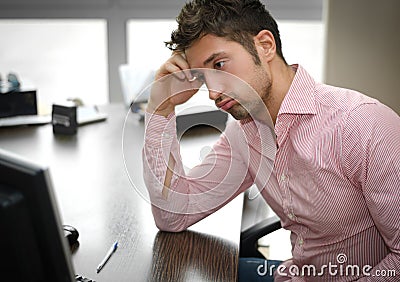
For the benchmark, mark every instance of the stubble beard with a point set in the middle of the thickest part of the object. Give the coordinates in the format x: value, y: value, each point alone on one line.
x: 255, y: 107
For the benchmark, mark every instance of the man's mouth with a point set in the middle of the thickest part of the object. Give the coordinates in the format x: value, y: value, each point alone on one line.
x: 226, y: 104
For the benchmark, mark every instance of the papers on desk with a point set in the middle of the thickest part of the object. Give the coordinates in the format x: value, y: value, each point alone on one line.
x: 25, y: 120
x: 85, y: 115
x: 89, y: 114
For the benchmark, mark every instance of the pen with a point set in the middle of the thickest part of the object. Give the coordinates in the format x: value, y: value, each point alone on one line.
x: 107, y: 257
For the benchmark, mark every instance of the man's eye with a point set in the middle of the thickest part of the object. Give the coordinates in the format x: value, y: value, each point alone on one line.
x: 219, y: 65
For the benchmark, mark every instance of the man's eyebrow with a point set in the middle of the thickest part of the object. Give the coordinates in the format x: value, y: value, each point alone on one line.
x: 211, y: 58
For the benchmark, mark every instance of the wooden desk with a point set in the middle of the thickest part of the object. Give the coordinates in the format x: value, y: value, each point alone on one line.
x: 95, y: 195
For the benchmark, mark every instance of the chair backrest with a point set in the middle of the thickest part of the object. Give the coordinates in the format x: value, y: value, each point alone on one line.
x: 134, y: 79
x: 250, y: 236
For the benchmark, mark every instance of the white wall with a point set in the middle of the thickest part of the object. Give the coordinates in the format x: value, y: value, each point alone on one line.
x: 363, y: 47
x: 302, y: 41
x: 60, y: 58
x: 117, y: 13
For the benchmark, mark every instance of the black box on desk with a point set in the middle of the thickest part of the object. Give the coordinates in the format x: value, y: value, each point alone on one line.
x: 17, y: 103
x: 64, y: 119
x: 216, y: 119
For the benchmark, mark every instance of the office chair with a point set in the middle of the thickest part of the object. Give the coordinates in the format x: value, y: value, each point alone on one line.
x: 249, y: 237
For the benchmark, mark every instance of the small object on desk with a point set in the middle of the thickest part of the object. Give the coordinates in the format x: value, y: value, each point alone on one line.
x: 107, y: 257
x: 89, y: 114
x: 64, y: 118
x: 80, y: 278
x: 11, y: 85
x: 13, y: 80
x: 17, y: 103
x: 71, y: 234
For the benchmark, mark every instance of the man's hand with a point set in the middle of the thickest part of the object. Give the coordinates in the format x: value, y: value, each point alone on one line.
x: 173, y: 85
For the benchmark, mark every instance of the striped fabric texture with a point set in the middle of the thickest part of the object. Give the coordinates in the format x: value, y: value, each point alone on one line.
x: 330, y: 169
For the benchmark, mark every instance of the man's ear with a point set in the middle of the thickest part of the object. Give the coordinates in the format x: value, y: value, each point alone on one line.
x: 265, y: 44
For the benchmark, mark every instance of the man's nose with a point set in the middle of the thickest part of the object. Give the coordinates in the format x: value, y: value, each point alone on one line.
x: 214, y: 83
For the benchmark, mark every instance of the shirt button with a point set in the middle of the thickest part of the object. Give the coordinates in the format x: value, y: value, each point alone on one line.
x: 301, y: 242
x: 291, y: 216
x: 283, y: 177
x: 166, y: 135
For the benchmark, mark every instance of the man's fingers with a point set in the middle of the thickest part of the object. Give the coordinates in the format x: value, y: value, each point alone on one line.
x: 177, y: 66
x: 179, y: 60
x: 172, y: 68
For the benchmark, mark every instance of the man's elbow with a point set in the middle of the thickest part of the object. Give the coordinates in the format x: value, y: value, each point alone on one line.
x: 169, y: 222
x: 169, y: 227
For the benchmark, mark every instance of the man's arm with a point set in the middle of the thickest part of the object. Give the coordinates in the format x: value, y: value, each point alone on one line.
x: 172, y: 86
x: 190, y: 196
x: 179, y: 199
x: 374, y: 163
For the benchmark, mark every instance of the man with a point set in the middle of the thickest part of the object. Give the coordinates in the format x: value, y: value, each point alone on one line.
x: 326, y: 159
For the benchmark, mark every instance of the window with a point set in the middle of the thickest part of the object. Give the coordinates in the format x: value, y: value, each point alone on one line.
x: 60, y: 58
x: 302, y: 42
x: 146, y: 39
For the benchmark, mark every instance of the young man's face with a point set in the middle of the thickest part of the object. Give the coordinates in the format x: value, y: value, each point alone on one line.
x: 232, y: 93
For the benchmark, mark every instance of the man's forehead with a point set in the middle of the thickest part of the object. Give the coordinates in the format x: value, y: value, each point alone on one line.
x: 204, y: 50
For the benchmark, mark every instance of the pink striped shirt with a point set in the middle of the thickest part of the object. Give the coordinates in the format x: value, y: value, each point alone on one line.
x: 335, y: 180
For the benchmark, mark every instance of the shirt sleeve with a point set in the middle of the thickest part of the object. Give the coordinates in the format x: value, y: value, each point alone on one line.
x: 371, y: 150
x: 194, y: 194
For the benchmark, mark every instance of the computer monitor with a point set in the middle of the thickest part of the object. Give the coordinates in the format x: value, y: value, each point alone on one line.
x: 32, y: 244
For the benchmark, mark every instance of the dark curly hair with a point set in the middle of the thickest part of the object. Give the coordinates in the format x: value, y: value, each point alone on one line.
x: 236, y: 20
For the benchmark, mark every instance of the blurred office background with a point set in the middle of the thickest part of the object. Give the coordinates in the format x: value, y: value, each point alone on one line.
x: 74, y: 48
x: 70, y: 48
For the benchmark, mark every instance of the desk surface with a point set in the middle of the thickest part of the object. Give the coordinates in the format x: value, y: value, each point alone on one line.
x: 95, y: 195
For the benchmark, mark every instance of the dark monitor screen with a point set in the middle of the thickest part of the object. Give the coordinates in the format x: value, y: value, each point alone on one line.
x: 32, y: 244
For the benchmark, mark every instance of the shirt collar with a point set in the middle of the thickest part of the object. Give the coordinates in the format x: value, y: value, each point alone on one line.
x: 300, y: 98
